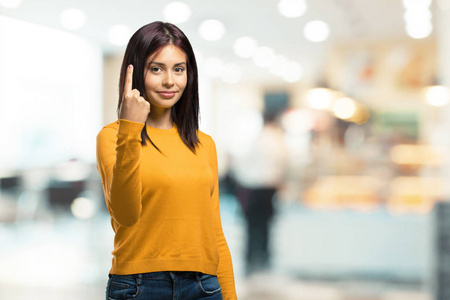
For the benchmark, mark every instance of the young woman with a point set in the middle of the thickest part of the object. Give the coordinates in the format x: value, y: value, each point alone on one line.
x: 160, y: 178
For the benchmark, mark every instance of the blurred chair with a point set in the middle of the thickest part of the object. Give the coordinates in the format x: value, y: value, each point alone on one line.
x: 9, y: 184
x: 62, y: 193
x: 9, y: 193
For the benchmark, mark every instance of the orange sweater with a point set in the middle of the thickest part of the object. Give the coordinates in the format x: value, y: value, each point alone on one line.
x: 164, y: 207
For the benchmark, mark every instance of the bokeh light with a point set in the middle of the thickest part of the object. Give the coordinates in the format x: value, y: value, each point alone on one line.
x: 437, y: 96
x: 245, y: 47
x: 73, y: 18
x: 344, y: 108
x: 319, y: 98
x: 292, y: 8
x: 177, y: 12
x: 83, y: 208
x: 316, y: 31
x: 212, y: 30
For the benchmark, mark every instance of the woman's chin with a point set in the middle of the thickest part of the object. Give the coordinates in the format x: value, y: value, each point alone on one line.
x: 163, y: 104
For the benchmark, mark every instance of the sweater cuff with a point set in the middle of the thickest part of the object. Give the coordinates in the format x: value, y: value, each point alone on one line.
x: 130, y: 127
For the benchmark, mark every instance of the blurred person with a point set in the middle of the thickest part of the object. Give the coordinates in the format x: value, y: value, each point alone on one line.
x: 259, y: 174
x: 160, y: 178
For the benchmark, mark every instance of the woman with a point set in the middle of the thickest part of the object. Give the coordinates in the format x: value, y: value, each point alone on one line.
x: 160, y: 178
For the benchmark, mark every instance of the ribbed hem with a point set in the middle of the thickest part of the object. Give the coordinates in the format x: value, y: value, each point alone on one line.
x: 158, y: 265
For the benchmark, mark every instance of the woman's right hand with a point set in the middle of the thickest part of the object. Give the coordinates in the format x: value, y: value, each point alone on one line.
x: 133, y: 107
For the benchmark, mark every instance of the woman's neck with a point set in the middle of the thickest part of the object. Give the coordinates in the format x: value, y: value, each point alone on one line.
x: 159, y: 118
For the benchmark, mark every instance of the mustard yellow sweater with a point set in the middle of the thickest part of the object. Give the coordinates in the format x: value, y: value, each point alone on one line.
x: 164, y: 207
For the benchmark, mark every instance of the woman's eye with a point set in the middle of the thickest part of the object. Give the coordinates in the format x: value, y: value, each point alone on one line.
x: 155, y: 69
x: 179, y: 69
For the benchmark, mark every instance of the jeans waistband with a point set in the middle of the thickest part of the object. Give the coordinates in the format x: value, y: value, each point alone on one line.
x: 161, y: 274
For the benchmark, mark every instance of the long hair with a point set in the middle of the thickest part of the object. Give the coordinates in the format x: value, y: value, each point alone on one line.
x: 148, y: 40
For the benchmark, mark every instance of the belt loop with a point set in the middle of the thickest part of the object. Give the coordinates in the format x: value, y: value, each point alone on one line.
x: 139, y: 279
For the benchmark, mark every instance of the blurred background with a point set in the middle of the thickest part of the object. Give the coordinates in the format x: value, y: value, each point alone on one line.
x: 331, y: 120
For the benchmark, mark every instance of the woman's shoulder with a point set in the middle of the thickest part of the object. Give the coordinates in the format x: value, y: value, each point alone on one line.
x: 109, y: 130
x: 206, y: 141
x: 204, y: 137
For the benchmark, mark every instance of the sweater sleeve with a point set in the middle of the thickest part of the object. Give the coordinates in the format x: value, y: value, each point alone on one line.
x: 225, y: 268
x: 118, y: 162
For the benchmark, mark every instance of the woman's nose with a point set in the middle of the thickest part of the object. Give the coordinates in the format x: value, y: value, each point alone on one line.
x: 168, y: 80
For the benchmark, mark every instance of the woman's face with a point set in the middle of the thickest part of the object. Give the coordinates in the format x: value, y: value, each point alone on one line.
x: 165, y: 76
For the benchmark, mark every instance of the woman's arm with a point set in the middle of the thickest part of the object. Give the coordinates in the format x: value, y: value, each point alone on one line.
x: 225, y: 272
x: 118, y: 161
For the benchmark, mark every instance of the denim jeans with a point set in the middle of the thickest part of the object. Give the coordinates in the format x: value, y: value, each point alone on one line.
x: 163, y: 286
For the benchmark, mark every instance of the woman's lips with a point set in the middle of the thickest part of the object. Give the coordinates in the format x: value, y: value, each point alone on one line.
x: 166, y: 94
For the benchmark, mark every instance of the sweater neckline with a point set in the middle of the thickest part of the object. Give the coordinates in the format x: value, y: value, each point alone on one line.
x: 155, y: 130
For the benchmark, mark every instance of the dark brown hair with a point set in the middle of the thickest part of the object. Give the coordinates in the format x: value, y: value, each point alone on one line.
x: 148, y: 40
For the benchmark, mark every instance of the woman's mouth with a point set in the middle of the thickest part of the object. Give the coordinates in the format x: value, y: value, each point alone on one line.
x: 167, y: 94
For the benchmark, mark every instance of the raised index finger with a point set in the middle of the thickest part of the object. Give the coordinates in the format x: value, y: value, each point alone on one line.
x: 129, y: 79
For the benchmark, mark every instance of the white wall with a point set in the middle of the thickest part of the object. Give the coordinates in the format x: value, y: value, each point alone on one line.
x: 51, y: 92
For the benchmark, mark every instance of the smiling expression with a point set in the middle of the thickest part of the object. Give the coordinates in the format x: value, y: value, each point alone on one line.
x: 165, y: 76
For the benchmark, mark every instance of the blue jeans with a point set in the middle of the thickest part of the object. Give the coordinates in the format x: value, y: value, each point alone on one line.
x: 163, y: 286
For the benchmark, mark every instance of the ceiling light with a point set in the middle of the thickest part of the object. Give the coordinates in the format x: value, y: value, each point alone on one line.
x: 319, y: 98
x: 73, y: 18
x: 292, y: 8
x: 10, y: 3
x: 211, y: 30
x: 119, y: 35
x: 264, y: 57
x: 245, y: 46
x: 419, y: 30
x: 316, y: 31
x: 177, y: 12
